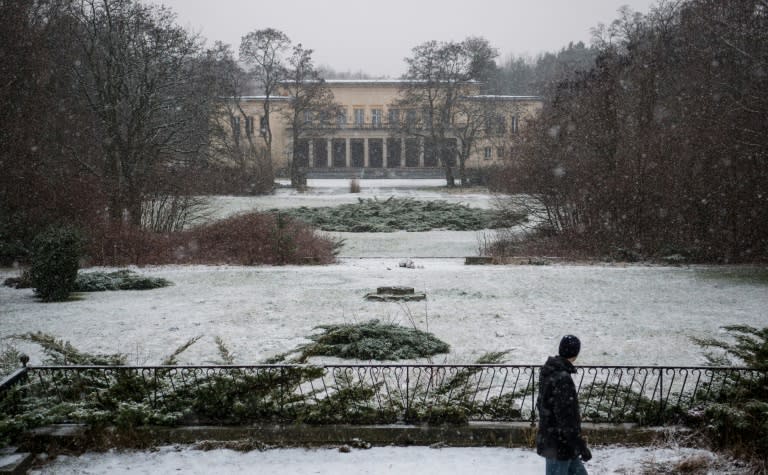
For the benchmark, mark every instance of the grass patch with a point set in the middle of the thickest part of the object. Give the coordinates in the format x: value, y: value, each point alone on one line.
x: 402, y: 214
x: 119, y: 280
x: 371, y: 340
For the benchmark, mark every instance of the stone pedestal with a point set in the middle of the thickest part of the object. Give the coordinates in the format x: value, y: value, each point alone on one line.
x: 394, y: 294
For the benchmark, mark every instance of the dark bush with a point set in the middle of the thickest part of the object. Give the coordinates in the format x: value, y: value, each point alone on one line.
x: 245, y: 239
x: 55, y: 260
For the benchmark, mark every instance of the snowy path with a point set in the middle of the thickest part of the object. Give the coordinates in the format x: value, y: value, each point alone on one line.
x: 376, y: 461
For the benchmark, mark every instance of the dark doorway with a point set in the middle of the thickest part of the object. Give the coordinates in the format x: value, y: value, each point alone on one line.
x: 301, y: 153
x: 320, y: 153
x: 357, y: 153
x: 394, y: 152
x: 339, y: 153
x: 411, y: 152
x: 375, y: 153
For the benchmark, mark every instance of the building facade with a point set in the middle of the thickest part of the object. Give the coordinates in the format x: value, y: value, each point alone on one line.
x: 368, y: 130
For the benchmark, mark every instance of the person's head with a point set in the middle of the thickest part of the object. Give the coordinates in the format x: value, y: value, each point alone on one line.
x: 569, y: 347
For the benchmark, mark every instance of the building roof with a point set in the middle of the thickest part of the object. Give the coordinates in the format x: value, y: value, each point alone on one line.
x: 262, y: 98
x: 498, y: 97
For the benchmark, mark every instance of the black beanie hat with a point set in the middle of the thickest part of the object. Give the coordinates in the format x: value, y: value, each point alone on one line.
x: 569, y: 346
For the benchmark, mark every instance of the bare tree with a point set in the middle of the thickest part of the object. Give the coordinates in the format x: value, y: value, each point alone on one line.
x: 40, y: 119
x: 440, y: 75
x: 483, y: 120
x: 264, y: 52
x: 310, y: 100
x: 143, y: 83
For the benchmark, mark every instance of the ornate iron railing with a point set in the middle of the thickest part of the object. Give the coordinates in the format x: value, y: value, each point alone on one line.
x: 374, y: 393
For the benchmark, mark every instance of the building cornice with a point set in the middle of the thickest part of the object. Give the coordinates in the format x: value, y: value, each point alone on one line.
x: 504, y: 98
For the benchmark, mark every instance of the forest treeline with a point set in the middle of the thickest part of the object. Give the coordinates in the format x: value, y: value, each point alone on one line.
x: 661, y: 148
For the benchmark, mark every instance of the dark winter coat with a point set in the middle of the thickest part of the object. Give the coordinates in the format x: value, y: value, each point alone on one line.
x: 559, y: 434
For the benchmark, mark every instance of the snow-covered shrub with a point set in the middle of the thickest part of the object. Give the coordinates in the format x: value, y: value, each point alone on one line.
x: 9, y: 359
x: 119, y: 280
x: 737, y: 417
x: 55, y: 260
x: 393, y: 214
x: 371, y: 340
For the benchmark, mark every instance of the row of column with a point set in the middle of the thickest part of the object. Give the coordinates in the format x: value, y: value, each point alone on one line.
x: 315, y: 160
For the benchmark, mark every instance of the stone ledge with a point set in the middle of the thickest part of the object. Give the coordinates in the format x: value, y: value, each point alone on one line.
x: 77, y: 438
x: 15, y: 463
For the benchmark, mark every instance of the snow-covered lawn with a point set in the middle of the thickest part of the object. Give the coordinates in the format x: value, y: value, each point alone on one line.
x: 625, y: 315
x: 375, y: 461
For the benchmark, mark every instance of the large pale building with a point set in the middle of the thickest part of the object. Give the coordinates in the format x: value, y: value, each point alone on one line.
x: 366, y: 131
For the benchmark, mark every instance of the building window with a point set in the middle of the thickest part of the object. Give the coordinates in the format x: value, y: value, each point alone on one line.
x: 307, y: 117
x: 263, y: 125
x: 236, y: 126
x: 487, y: 153
x: 249, y: 126
x: 487, y: 124
x: 359, y: 117
x: 427, y: 118
x: 341, y: 117
x: 394, y: 117
x: 376, y: 117
x: 500, y: 152
x: 410, y: 118
x: 514, y: 125
x: 501, y: 124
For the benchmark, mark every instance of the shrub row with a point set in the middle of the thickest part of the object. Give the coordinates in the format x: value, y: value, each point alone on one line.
x: 393, y: 214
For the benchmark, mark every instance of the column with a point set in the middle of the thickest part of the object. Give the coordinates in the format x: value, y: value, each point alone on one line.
x: 421, y: 153
x: 347, y: 152
x: 329, y: 157
x: 310, y: 153
x: 384, y: 152
x: 402, y: 152
x: 366, y: 160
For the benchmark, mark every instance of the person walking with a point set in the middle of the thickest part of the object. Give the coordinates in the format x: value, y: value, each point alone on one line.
x: 559, y: 438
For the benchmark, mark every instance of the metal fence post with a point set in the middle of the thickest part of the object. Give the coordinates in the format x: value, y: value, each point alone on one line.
x: 407, y: 390
x: 533, y: 396
x: 661, y: 396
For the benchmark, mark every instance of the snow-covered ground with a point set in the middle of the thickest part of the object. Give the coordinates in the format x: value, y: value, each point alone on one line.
x: 625, y: 315
x: 375, y: 461
x: 631, y: 315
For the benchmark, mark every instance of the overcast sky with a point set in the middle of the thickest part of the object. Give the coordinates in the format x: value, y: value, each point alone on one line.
x: 375, y: 36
